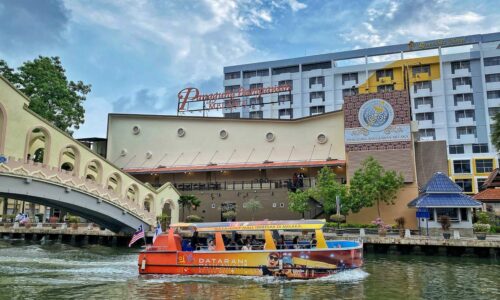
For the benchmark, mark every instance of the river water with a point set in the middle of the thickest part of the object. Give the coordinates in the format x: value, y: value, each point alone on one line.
x: 59, y: 271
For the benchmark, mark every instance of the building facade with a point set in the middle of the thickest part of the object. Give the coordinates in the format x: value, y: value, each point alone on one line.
x: 454, y: 92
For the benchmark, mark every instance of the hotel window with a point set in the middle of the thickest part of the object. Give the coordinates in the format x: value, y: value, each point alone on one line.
x: 350, y: 92
x: 492, y: 61
x: 461, y: 166
x: 466, y: 130
x: 480, y: 182
x: 316, y: 110
x: 451, y: 212
x: 484, y: 165
x: 461, y: 81
x: 232, y: 88
x: 285, y: 112
x: 256, y: 86
x: 230, y: 103
x: 423, y: 101
x: 385, y: 88
x: 461, y: 114
x: 385, y: 73
x: 317, y: 80
x: 256, y: 114
x: 256, y: 101
x: 456, y: 149
x: 349, y: 77
x: 286, y: 82
x: 232, y: 75
x: 317, y: 66
x: 233, y: 115
x: 421, y: 69
x: 462, y: 98
x: 465, y: 184
x: 492, y: 111
x: 317, y: 95
x: 285, y: 98
x: 493, y: 77
x: 291, y: 69
x: 457, y: 65
x: 249, y: 74
x: 427, y: 134
x: 480, y: 148
x: 493, y: 94
x: 263, y: 72
x: 425, y: 116
x: 422, y: 85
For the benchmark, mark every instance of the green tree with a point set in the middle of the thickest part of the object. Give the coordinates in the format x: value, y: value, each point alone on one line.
x: 253, y: 205
x: 51, y: 95
x: 189, y: 201
x: 299, y: 201
x: 495, y: 133
x: 372, y: 184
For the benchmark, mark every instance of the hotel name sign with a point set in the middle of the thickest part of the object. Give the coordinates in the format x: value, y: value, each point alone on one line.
x: 190, y: 99
x: 375, y: 117
x: 436, y: 44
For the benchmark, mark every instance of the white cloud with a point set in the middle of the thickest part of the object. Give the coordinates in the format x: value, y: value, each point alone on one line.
x: 296, y: 5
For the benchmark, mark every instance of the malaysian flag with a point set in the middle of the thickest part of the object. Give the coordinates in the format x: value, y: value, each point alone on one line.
x: 139, y: 234
x: 158, y: 231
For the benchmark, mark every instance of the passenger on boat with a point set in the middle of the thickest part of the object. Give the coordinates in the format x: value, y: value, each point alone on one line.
x: 313, y: 241
x: 232, y: 246
x: 211, y: 245
x: 281, y: 242
x: 247, y: 247
x: 195, y: 241
x: 295, y: 242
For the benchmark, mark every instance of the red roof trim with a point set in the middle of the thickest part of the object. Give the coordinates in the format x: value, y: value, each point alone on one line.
x: 488, y: 195
x: 242, y: 166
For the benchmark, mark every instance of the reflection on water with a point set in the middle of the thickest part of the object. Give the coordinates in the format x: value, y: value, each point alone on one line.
x: 59, y: 271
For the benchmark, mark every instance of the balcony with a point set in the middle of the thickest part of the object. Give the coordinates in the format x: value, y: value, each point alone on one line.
x: 492, y: 69
x: 282, y: 76
x: 317, y: 101
x: 423, y: 108
x: 313, y: 73
x: 464, y: 104
x: 426, y: 138
x: 425, y: 124
x: 421, y: 77
x: 464, y: 88
x: 285, y: 117
x: 467, y: 139
x: 495, y: 102
x: 466, y: 122
x: 349, y: 84
x: 461, y: 72
x: 422, y: 92
x: 316, y: 87
x: 236, y: 81
x: 255, y: 79
x: 492, y: 86
x: 385, y: 80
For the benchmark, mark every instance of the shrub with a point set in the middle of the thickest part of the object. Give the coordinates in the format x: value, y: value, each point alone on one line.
x: 445, y: 222
x: 194, y: 218
x: 400, y: 222
x: 73, y: 219
x: 229, y: 215
x: 337, y: 218
x: 479, y: 227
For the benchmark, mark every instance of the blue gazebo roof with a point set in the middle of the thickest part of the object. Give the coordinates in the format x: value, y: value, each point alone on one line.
x: 441, y: 191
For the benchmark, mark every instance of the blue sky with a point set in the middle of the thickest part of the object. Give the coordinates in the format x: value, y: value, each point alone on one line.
x: 138, y: 54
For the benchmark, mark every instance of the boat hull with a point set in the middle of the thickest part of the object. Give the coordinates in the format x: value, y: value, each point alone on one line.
x: 289, y: 263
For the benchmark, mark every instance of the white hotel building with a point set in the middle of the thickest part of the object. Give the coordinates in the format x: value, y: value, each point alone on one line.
x: 454, y: 86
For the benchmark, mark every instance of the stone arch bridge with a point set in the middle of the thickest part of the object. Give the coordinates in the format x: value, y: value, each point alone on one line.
x: 45, y: 165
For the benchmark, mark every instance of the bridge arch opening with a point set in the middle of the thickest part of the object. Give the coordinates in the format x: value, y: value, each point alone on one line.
x: 93, y: 171
x: 3, y: 127
x: 114, y: 183
x: 37, y: 146
x: 133, y: 193
x: 69, y: 159
x: 148, y: 202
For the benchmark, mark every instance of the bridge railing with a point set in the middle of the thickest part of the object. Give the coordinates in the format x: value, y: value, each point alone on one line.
x: 55, y: 175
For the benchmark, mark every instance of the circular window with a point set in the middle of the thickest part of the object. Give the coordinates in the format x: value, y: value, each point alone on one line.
x: 123, y: 152
x: 149, y: 154
x: 322, y: 138
x: 136, y: 129
x: 181, y: 132
x: 270, y: 136
x: 223, y: 134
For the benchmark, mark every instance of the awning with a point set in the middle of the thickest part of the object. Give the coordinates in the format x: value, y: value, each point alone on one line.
x: 238, y: 166
x: 444, y: 200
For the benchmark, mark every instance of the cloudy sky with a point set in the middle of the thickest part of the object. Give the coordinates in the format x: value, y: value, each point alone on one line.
x: 138, y: 54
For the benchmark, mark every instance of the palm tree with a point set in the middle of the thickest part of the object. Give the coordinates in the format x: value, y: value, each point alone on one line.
x: 495, y: 132
x: 189, y: 201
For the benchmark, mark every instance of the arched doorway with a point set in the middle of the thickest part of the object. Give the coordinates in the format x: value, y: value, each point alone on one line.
x: 69, y: 159
x: 37, y: 146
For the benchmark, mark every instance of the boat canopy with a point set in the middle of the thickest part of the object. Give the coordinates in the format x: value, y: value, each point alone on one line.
x: 254, y: 225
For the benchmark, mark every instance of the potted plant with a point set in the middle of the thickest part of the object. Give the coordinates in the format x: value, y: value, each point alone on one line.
x: 481, y: 230
x: 53, y: 221
x: 338, y: 219
x: 382, y: 227
x: 229, y: 215
x: 400, y: 223
x: 194, y: 219
x: 445, y: 225
x: 73, y: 220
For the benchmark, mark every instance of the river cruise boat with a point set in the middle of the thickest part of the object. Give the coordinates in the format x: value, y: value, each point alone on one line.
x: 304, y: 260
